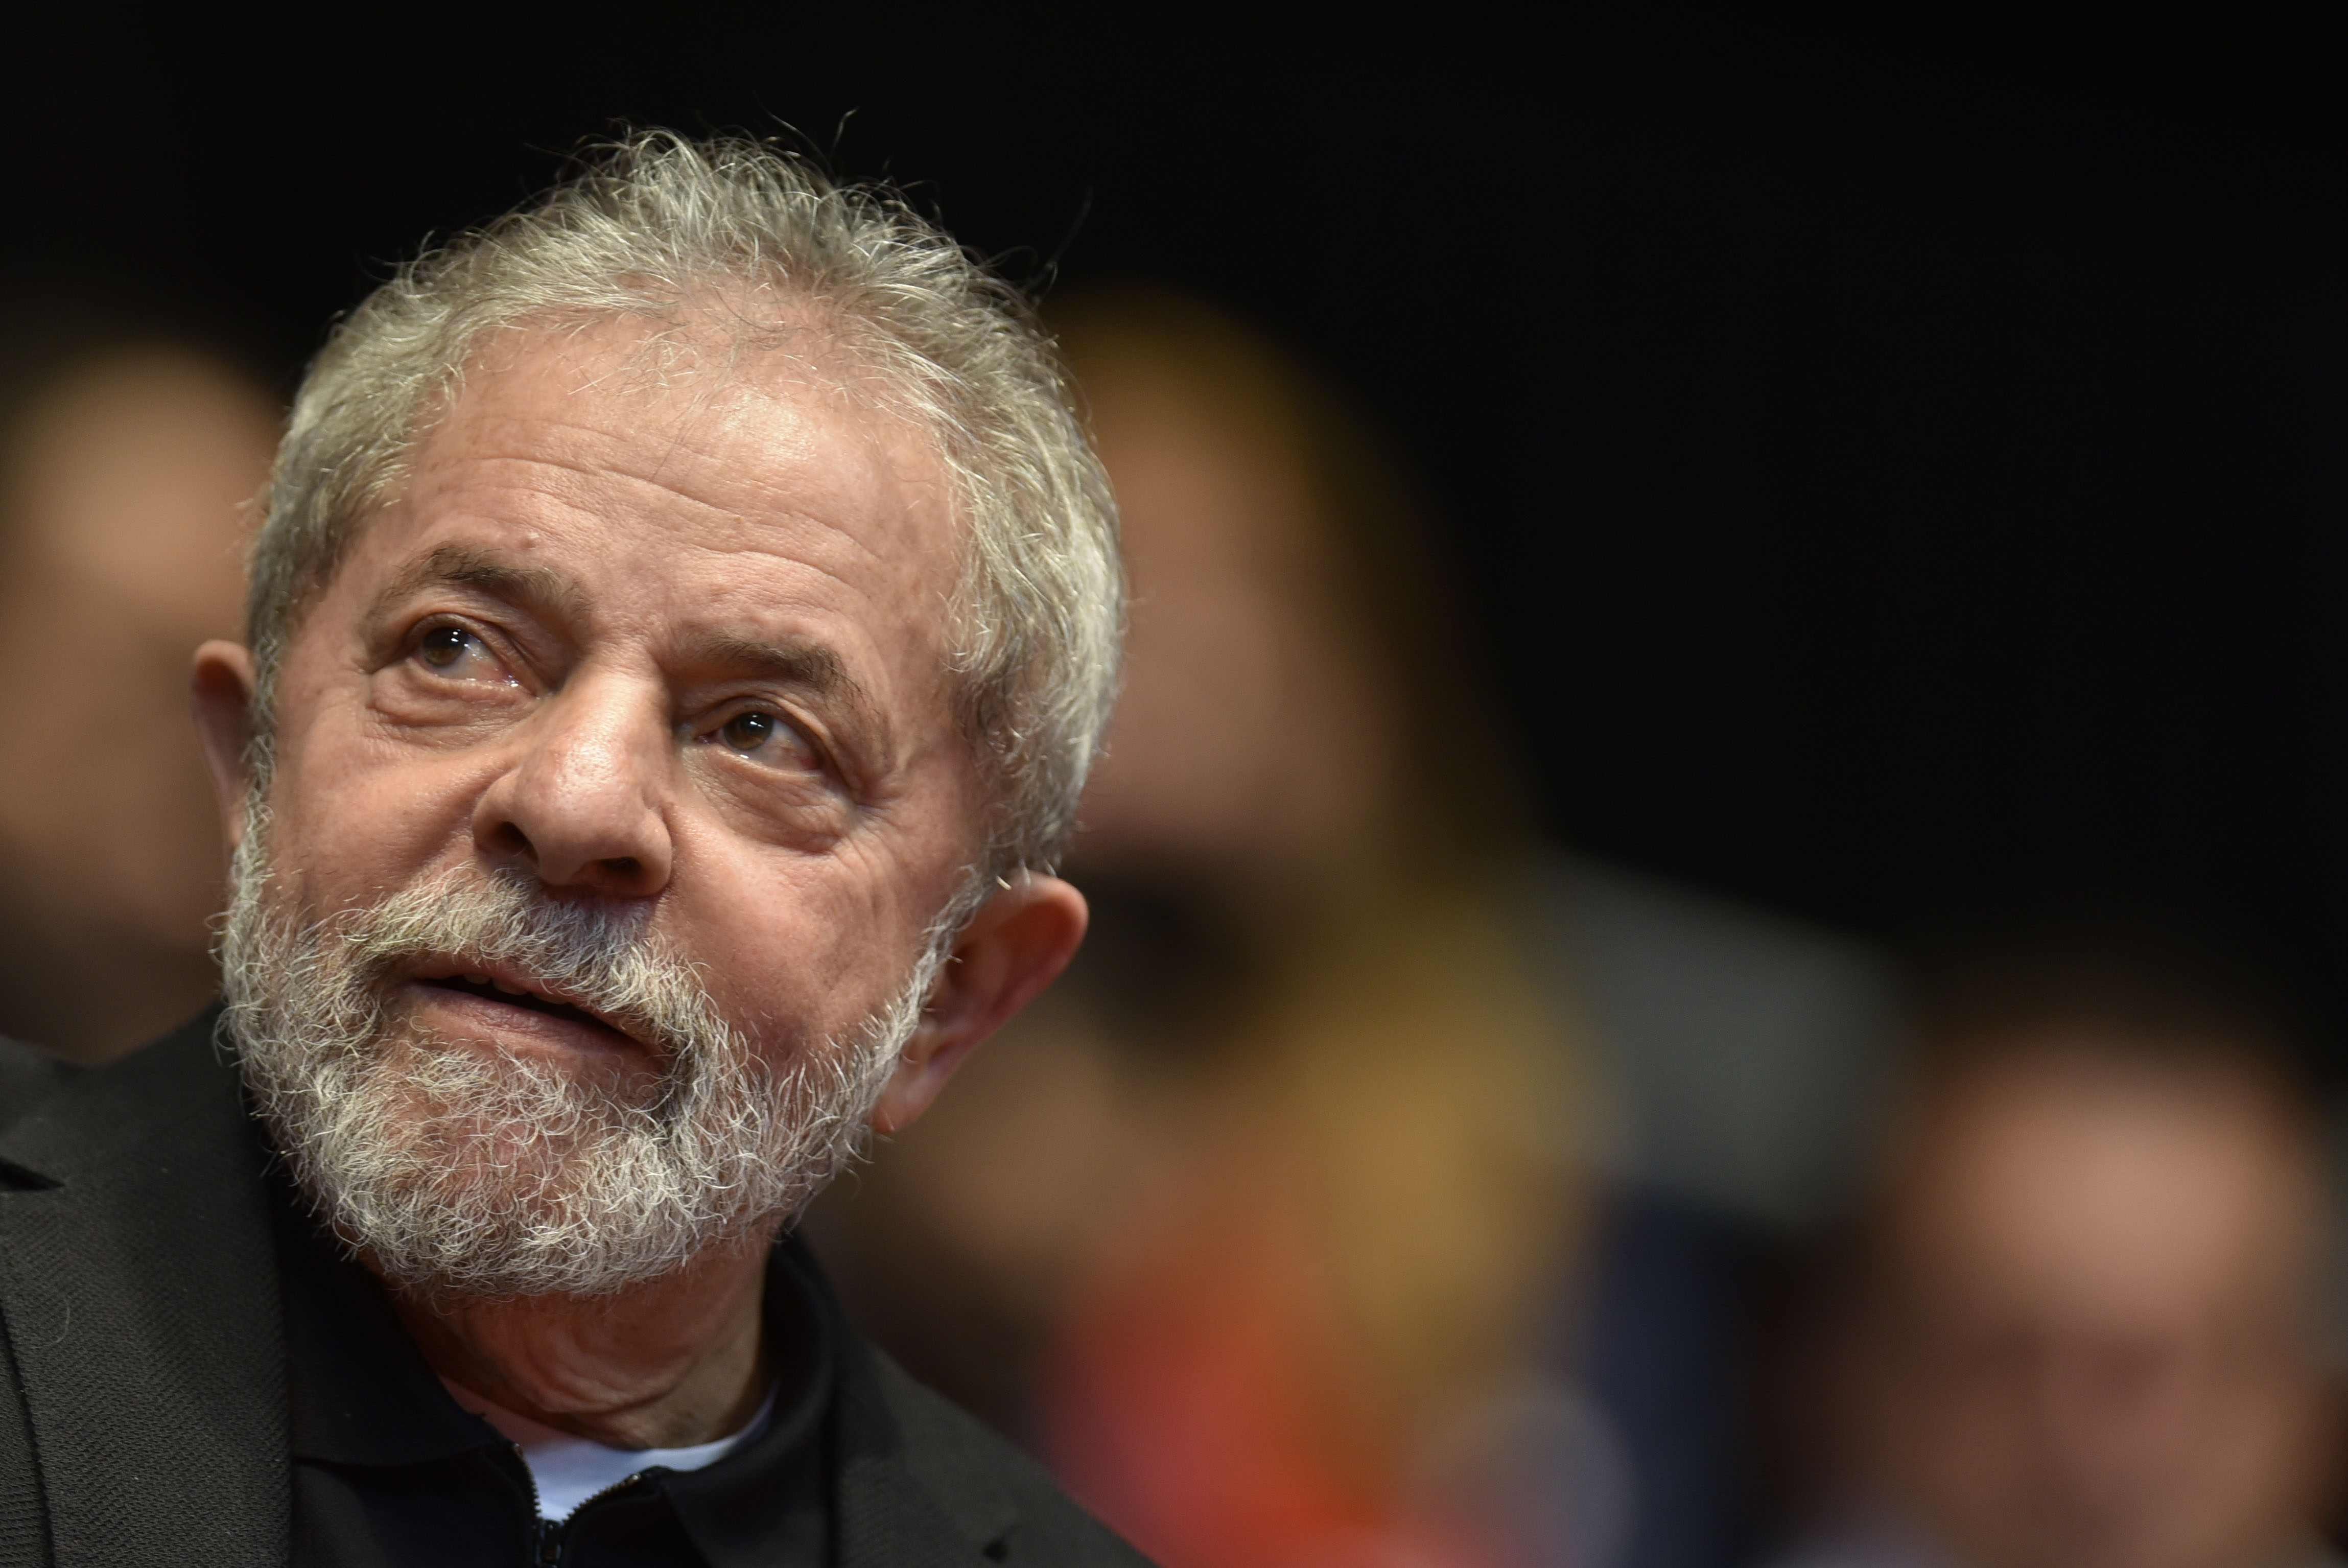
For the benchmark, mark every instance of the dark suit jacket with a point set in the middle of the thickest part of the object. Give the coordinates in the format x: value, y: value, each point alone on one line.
x: 142, y: 1391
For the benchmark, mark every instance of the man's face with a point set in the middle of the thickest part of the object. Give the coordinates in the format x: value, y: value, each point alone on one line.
x: 2102, y: 1353
x: 672, y: 652
x: 124, y: 490
x: 616, y: 790
x: 1253, y: 729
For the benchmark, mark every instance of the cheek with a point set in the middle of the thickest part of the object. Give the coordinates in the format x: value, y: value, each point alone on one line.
x: 354, y: 817
x: 811, y: 945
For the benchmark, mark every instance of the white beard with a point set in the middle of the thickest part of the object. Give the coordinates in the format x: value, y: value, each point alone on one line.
x: 464, y: 1174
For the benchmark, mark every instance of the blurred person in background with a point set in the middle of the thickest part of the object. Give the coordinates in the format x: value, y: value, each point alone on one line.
x: 2087, y: 1324
x: 1263, y: 1225
x: 127, y: 459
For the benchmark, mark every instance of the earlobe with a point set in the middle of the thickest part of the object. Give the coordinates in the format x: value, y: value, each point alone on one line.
x: 1013, y: 948
x: 220, y: 689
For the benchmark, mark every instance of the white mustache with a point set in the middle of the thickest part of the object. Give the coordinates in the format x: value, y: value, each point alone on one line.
x: 605, y: 961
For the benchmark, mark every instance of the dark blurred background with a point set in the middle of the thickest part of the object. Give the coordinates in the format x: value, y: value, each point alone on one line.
x: 1894, y: 475
x: 1893, y: 467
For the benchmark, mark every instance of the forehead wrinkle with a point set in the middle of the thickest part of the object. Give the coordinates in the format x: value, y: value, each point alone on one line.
x: 765, y: 500
x: 778, y: 497
x: 602, y: 467
x: 802, y: 563
x: 715, y: 411
x: 889, y: 444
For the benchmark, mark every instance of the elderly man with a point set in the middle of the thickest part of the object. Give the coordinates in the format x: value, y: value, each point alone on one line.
x: 686, y: 614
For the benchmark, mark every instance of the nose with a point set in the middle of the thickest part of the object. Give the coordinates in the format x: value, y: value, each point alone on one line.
x: 582, y: 803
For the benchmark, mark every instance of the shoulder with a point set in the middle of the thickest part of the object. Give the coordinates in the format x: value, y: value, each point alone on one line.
x: 29, y: 1075
x: 972, y: 1471
x: 166, y: 1100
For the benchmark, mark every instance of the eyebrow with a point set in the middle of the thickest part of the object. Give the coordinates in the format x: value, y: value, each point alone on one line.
x: 534, y: 587
x: 812, y: 666
x: 809, y: 665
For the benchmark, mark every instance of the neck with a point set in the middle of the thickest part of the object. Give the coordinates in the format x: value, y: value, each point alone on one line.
x: 679, y: 1361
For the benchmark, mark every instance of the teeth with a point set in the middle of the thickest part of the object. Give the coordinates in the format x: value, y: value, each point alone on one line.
x: 477, y: 979
x: 509, y: 990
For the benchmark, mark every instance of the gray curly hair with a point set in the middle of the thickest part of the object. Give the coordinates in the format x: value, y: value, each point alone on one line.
x: 751, y: 238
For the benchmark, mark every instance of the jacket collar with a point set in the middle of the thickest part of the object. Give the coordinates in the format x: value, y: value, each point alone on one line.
x: 140, y: 1302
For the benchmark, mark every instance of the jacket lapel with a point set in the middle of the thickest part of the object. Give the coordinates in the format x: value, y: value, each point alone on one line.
x: 912, y: 1487
x: 142, y: 1305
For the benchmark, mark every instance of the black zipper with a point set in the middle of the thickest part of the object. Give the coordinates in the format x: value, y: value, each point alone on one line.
x: 545, y: 1534
x: 547, y: 1543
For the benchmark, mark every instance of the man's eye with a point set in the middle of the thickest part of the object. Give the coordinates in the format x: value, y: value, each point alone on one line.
x: 766, y: 737
x: 443, y: 647
x: 748, y: 731
x: 448, y: 649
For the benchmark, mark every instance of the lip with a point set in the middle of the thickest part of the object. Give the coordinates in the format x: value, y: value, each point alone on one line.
x: 522, y: 1010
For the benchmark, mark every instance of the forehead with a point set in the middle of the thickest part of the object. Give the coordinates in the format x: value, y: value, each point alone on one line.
x: 686, y: 476
x: 2095, y: 1185
x: 726, y: 437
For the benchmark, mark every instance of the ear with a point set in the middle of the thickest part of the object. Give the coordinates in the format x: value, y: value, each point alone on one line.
x: 1013, y: 947
x: 221, y: 687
